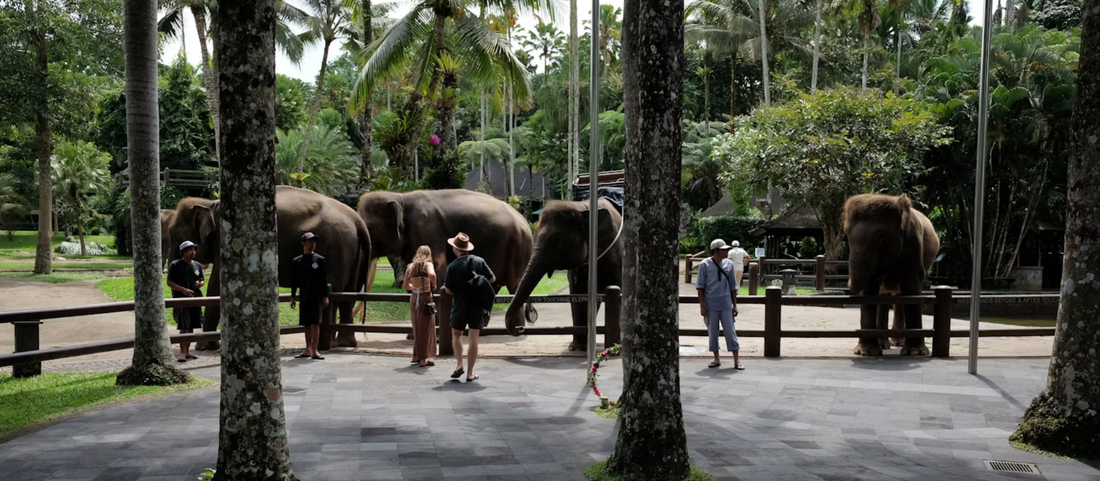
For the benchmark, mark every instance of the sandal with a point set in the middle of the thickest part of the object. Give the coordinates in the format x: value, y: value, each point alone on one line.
x: 181, y: 359
x: 301, y: 356
x: 740, y: 367
x: 472, y: 379
x: 458, y: 373
x: 427, y: 364
x: 318, y: 357
x: 192, y: 356
x: 714, y: 364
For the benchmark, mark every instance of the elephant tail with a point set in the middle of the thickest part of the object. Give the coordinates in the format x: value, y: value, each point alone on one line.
x: 365, y: 263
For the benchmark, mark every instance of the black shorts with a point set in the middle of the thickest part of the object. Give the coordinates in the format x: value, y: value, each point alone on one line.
x: 473, y: 320
x: 188, y: 318
x: 309, y: 314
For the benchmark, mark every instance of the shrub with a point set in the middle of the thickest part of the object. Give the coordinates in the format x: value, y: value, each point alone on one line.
x: 729, y: 228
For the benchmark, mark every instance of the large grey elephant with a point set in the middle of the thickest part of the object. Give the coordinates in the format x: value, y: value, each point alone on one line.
x: 401, y: 223
x: 892, y: 247
x: 561, y: 243
x: 167, y: 216
x: 345, y: 242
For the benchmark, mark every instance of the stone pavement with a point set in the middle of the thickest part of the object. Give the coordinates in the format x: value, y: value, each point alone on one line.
x: 360, y: 417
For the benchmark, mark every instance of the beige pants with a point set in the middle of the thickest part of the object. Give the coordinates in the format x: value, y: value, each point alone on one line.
x: 737, y: 275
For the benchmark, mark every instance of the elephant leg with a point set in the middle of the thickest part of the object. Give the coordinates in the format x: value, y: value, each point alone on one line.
x: 899, y: 323
x: 868, y: 319
x: 882, y: 321
x: 213, y: 314
x: 578, y: 285
x: 914, y: 346
x: 346, y: 338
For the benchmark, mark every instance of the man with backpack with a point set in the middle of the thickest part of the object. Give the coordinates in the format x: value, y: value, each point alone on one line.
x: 718, y: 299
x: 469, y: 280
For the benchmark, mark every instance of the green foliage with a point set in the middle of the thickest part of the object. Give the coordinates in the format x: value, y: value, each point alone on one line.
x: 446, y: 174
x: 699, y: 176
x: 332, y: 119
x: 80, y: 174
x: 13, y: 207
x: 808, y: 248
x: 28, y: 401
x: 1058, y: 14
x: 600, y: 472
x: 72, y: 247
x: 186, y: 135
x: 290, y: 102
x: 729, y: 228
x: 331, y: 162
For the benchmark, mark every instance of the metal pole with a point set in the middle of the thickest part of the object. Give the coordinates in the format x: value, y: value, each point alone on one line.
x: 593, y: 175
x: 979, y: 191
x: 764, y: 56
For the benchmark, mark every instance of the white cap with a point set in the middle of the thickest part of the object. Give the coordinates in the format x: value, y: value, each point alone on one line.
x: 719, y: 245
x: 186, y: 245
x: 736, y: 244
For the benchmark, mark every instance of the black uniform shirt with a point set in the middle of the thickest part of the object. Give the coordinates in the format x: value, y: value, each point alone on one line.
x: 311, y: 276
x: 186, y: 275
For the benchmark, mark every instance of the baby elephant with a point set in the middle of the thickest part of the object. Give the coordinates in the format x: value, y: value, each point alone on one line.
x: 892, y: 247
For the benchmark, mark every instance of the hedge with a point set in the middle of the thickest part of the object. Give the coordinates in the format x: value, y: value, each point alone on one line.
x: 729, y: 228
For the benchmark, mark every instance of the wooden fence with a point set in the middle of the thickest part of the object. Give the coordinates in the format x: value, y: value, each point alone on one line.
x: 765, y: 269
x: 28, y: 357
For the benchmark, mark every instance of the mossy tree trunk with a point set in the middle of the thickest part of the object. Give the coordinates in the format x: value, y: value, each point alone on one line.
x: 1065, y: 418
x: 652, y: 443
x: 252, y: 444
x: 43, y: 139
x: 366, y: 119
x: 152, y: 362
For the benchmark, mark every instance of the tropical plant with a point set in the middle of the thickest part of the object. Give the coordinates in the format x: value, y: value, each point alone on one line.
x: 13, y: 207
x: 546, y: 41
x: 331, y: 163
x: 822, y: 148
x: 329, y: 22
x: 79, y: 172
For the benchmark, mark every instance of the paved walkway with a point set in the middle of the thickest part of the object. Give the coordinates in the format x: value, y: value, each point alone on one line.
x: 359, y: 417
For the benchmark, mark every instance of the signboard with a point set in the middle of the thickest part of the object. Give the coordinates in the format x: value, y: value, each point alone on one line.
x: 759, y: 252
x: 546, y: 299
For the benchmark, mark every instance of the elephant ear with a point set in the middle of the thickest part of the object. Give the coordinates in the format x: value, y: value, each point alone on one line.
x: 203, y: 216
x: 905, y: 206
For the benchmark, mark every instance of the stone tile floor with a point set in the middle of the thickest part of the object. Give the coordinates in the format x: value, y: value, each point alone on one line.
x: 359, y: 417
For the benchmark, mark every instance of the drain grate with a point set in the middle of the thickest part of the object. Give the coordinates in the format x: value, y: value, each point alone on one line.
x: 1011, y: 467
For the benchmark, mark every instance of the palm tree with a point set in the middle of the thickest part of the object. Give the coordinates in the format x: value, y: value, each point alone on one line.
x: 610, y: 35
x: 574, y: 94
x: 331, y: 162
x: 171, y: 24
x: 152, y: 361
x: 330, y: 22
x: 419, y: 40
x: 705, y: 71
x: 79, y: 171
x: 818, y: 5
x: 12, y: 205
x: 546, y: 40
x: 723, y: 25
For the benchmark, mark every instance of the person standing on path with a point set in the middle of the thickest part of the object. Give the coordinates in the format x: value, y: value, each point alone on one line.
x: 310, y: 273
x: 740, y: 260
x: 718, y: 300
x: 186, y: 280
x: 464, y: 314
x: 420, y: 283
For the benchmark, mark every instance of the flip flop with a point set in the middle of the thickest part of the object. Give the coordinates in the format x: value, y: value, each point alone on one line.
x: 301, y: 356
x: 428, y: 364
x: 740, y: 367
x: 458, y: 373
x: 714, y: 364
x: 472, y: 379
x: 318, y: 357
x: 192, y: 356
x: 181, y: 359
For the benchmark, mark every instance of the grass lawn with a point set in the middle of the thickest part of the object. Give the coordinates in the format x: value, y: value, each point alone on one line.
x: 106, y: 266
x: 55, y: 278
x: 27, y: 241
x: 27, y: 401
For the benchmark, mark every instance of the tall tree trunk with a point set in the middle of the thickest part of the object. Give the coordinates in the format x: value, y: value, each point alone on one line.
x: 43, y: 262
x: 252, y: 444
x: 574, y: 99
x: 366, y: 119
x: 899, y: 59
x: 733, y: 90
x: 208, y: 76
x: 481, y: 135
x: 405, y: 152
x: 652, y: 443
x: 817, y: 44
x: 764, y: 53
x: 866, y: 53
x: 510, y: 121
x: 152, y: 361
x: 316, y: 107
x: 1064, y: 418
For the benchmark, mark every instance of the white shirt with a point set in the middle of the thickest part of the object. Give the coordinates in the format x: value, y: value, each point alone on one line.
x: 737, y: 255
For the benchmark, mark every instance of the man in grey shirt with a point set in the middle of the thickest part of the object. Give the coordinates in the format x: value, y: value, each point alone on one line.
x: 718, y: 299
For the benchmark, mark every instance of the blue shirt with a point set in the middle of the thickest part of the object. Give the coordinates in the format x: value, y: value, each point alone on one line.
x: 716, y: 287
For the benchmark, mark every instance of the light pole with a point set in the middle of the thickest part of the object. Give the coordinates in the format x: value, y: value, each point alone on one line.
x: 979, y: 191
x: 593, y: 175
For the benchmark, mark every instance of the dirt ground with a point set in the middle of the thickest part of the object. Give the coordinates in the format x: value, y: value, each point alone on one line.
x: 18, y: 294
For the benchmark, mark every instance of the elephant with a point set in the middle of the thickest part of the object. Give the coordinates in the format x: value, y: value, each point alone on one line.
x: 345, y: 242
x: 401, y: 223
x: 167, y: 216
x: 561, y: 243
x: 892, y: 247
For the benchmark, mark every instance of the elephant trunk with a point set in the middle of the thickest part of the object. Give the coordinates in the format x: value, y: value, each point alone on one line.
x: 514, y: 319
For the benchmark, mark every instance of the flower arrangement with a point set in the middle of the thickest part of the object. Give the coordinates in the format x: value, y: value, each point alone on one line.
x: 594, y: 369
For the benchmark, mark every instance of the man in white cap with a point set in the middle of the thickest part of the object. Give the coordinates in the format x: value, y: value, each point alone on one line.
x: 186, y: 280
x: 740, y: 260
x: 718, y: 300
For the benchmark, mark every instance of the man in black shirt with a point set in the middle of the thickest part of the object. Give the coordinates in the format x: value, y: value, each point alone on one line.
x: 464, y: 314
x: 310, y: 274
x: 185, y: 279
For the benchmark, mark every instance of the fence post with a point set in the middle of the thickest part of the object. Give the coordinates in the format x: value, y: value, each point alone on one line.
x: 327, y: 333
x: 26, y: 339
x: 763, y: 266
x: 443, y: 319
x: 612, y: 316
x: 773, y: 309
x: 941, y: 322
x: 754, y: 277
x: 819, y: 273
x: 687, y: 270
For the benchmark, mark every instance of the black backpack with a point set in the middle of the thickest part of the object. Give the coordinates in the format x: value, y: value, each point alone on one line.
x: 481, y: 291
